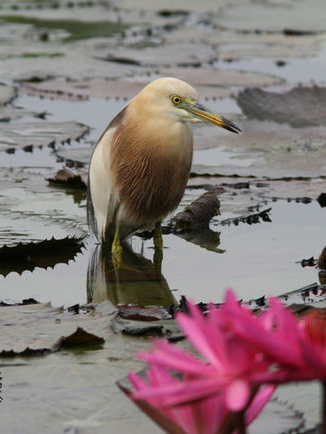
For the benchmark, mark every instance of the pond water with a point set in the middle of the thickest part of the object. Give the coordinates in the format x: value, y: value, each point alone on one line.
x: 255, y: 260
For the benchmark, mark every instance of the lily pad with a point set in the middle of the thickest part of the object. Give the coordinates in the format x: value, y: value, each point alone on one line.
x: 26, y: 135
x: 269, y: 149
x: 11, y: 112
x: 186, y: 53
x: 297, y: 17
x: 7, y: 94
x: 39, y: 329
x: 299, y: 300
x: 127, y: 88
x: 29, y: 212
x: 44, y: 254
x: 220, y: 78
x: 70, y: 178
x: 234, y: 45
x: 145, y: 328
x: 250, y: 218
x: 199, y: 213
x: 298, y: 107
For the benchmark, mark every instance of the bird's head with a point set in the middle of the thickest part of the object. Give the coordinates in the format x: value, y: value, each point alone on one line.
x: 178, y: 100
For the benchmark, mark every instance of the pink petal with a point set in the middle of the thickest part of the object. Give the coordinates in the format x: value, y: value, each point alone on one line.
x: 200, y: 334
x: 184, y: 392
x: 237, y: 395
x: 176, y: 359
x: 137, y: 382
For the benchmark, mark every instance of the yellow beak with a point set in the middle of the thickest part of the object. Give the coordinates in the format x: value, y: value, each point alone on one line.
x: 205, y: 114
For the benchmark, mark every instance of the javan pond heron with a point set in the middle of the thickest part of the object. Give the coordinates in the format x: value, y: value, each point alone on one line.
x: 141, y: 164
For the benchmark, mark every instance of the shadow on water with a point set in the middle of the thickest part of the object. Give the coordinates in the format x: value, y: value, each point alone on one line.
x: 137, y: 281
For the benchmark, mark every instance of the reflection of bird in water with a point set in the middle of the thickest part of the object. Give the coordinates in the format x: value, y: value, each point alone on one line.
x: 140, y: 166
x: 137, y: 281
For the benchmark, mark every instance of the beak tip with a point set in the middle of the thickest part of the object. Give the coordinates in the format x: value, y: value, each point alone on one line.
x: 228, y: 125
x: 232, y: 127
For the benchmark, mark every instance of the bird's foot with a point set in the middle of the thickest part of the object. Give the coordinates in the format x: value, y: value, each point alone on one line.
x: 116, y: 250
x: 117, y: 259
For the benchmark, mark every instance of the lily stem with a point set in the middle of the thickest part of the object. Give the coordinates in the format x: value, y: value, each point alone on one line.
x: 241, y: 422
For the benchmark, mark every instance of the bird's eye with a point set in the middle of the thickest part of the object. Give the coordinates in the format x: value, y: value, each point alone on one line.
x: 176, y: 100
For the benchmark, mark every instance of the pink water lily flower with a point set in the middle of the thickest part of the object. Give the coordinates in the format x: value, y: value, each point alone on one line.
x: 204, y: 416
x: 228, y: 366
x: 296, y: 347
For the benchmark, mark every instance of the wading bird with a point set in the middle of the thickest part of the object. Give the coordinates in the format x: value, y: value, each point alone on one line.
x: 140, y: 166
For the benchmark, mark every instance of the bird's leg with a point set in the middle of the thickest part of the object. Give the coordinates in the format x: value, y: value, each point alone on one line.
x: 116, y: 248
x: 158, y: 252
x: 158, y: 240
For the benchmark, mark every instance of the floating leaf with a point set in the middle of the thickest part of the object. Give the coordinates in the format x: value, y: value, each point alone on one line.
x: 41, y: 254
x: 286, y: 107
x: 321, y: 263
x: 138, y: 313
x: 75, y: 156
x: 69, y: 178
x: 27, y: 135
x: 310, y: 262
x: 249, y: 219
x: 208, y: 81
x: 7, y: 94
x: 80, y: 338
x: 199, y: 213
x: 322, y: 199
x: 23, y: 303
x: 166, y: 327
x: 304, y: 297
x: 38, y: 329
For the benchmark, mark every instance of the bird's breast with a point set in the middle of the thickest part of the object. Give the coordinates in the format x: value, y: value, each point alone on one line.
x: 151, y: 170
